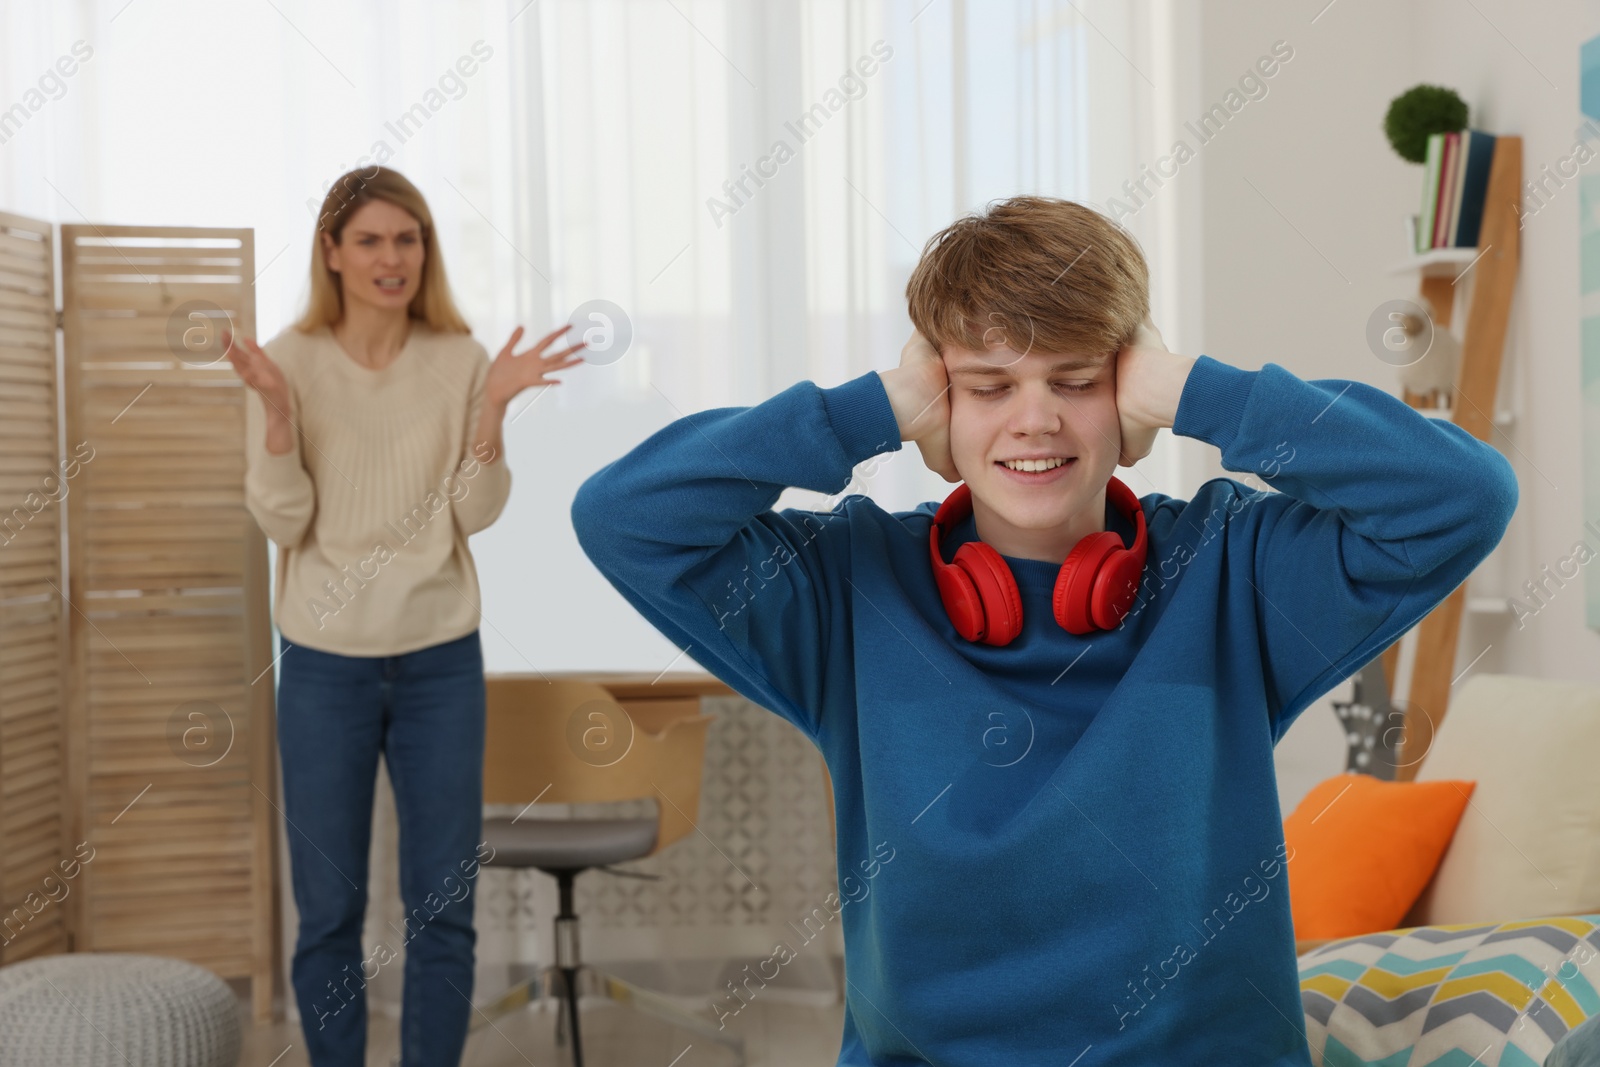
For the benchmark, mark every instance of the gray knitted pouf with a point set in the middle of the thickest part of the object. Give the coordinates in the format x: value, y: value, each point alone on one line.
x: 116, y: 1009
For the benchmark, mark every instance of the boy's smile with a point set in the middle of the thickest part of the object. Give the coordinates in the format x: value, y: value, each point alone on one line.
x: 1036, y: 437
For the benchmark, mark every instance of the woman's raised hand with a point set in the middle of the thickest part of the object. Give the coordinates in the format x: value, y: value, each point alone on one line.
x: 512, y: 372
x: 259, y: 373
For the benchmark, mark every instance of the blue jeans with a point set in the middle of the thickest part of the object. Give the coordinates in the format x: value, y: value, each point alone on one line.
x: 1579, y: 1048
x: 424, y: 711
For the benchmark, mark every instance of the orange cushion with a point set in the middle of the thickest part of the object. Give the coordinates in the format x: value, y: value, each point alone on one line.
x: 1361, y: 850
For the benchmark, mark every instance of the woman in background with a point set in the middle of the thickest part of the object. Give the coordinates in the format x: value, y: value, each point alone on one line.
x: 373, y: 446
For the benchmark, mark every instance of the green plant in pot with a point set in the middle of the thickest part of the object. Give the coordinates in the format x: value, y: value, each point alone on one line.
x: 1419, y: 112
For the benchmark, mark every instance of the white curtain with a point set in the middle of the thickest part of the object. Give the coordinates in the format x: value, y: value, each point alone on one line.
x: 626, y: 151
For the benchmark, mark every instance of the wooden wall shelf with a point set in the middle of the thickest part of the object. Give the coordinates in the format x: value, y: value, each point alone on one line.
x: 1493, y: 266
x: 1438, y: 262
x: 1502, y: 419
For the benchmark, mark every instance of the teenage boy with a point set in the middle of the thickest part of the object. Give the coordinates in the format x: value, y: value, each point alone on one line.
x: 1054, y: 701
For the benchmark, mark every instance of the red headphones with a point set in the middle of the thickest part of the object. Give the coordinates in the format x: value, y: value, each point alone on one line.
x: 1094, y: 590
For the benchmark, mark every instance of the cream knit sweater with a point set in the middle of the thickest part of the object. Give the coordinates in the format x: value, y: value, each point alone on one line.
x: 372, y: 506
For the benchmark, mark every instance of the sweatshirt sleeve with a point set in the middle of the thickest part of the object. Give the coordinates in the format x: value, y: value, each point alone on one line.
x: 278, y: 490
x: 682, y: 527
x: 489, y: 488
x: 1381, y: 512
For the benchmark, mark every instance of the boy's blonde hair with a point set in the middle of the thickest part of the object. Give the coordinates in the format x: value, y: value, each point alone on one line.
x: 1035, y: 273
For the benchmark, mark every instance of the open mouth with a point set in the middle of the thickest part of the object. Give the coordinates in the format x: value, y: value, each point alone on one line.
x: 390, y: 285
x: 1037, y: 471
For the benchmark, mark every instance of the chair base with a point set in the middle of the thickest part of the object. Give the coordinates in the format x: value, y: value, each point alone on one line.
x: 550, y: 983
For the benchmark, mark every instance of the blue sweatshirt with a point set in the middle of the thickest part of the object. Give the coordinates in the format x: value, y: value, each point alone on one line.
x: 1073, y: 844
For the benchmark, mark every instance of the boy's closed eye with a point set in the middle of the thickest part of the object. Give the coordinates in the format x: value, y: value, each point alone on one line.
x: 1067, y: 386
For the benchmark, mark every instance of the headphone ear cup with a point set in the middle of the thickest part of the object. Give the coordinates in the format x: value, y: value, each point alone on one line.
x: 996, y: 588
x: 1073, y: 598
x: 1115, y: 586
x: 961, y: 600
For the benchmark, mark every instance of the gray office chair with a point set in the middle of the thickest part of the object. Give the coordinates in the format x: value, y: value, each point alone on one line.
x: 569, y: 742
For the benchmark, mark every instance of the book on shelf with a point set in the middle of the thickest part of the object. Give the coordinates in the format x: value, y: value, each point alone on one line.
x: 1475, y: 186
x: 1447, y: 184
x: 1430, y: 191
x: 1455, y: 182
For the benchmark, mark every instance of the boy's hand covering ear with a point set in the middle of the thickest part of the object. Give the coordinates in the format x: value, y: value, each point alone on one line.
x: 919, y: 392
x: 1137, y: 362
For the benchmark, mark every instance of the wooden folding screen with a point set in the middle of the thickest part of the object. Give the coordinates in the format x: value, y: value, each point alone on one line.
x: 35, y: 860
x: 170, y: 705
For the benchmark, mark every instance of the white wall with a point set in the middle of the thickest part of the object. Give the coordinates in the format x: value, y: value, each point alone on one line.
x: 1315, y: 149
x: 1509, y: 88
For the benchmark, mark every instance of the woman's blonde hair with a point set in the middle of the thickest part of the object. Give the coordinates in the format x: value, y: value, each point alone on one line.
x: 432, y: 305
x: 1034, y: 272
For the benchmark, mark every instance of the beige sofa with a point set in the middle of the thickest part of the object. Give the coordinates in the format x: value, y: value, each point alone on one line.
x: 1500, y: 956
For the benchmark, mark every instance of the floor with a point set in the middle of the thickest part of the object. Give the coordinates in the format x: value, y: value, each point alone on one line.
x: 776, y: 1035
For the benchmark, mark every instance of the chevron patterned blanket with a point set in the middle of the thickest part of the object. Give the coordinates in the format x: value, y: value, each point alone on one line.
x: 1486, y: 994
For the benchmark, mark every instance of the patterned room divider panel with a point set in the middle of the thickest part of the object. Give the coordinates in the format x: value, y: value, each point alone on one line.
x: 37, y: 871
x: 170, y: 702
